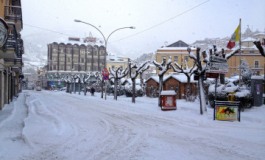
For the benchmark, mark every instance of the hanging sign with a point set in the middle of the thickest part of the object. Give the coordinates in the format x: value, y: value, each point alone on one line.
x: 217, y: 65
x: 3, y: 32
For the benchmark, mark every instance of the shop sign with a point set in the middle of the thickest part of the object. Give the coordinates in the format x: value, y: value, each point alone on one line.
x: 227, y: 111
x: 3, y: 32
x: 217, y: 65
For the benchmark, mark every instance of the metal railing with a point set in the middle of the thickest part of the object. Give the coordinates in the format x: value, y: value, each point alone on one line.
x: 13, y: 13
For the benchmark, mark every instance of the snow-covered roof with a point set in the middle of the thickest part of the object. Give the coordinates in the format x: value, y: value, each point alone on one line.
x: 176, y: 48
x: 260, y: 33
x: 80, y: 42
x: 249, y: 39
x: 181, y: 78
x: 249, y: 48
x: 114, y: 58
x: 155, y: 78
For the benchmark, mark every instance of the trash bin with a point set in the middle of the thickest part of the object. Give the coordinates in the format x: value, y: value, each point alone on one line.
x: 257, y: 90
x: 168, y: 100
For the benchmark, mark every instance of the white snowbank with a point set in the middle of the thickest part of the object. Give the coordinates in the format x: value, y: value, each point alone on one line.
x: 51, y: 125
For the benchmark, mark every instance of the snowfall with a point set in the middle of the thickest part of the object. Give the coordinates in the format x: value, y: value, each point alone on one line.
x: 50, y: 125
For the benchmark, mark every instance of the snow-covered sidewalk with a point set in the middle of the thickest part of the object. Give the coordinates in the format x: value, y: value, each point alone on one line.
x: 51, y: 125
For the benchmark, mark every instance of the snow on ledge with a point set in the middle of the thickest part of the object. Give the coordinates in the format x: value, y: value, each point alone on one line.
x: 168, y: 92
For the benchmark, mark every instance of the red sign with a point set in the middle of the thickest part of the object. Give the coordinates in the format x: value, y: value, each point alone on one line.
x: 105, y: 74
x: 212, y: 75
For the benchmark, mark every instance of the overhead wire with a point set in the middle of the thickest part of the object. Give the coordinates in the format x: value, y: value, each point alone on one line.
x: 46, y: 29
x: 165, y: 21
x: 132, y: 35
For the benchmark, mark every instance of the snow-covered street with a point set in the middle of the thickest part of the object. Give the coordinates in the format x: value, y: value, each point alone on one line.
x: 50, y: 125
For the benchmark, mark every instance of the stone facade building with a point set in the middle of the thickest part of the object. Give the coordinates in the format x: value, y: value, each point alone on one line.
x: 73, y: 58
x: 250, y: 54
x: 178, y: 53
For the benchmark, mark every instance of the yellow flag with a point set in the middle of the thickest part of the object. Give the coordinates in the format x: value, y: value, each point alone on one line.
x: 234, y: 38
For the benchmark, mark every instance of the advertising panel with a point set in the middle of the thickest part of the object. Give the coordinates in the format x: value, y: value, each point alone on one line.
x: 227, y: 111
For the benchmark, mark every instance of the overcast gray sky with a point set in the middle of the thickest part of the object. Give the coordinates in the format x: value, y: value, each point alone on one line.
x: 156, y: 21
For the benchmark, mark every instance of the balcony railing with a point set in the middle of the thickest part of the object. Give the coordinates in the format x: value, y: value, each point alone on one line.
x: 11, y: 42
x: 13, y: 13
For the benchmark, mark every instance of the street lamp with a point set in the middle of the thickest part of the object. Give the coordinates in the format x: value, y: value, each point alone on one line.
x: 104, y: 38
x: 105, y: 42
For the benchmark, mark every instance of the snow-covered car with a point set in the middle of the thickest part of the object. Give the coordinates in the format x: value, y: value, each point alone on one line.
x: 138, y: 91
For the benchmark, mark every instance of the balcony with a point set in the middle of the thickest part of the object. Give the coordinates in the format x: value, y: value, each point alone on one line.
x: 13, y: 62
x: 14, y: 14
x: 14, y: 47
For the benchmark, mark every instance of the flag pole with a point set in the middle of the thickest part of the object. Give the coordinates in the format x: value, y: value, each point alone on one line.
x: 240, y: 76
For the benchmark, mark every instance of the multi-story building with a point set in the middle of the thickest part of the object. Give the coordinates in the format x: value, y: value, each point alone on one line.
x: 11, y: 50
x: 117, y: 61
x: 178, y: 53
x: 73, y: 58
x: 250, y: 54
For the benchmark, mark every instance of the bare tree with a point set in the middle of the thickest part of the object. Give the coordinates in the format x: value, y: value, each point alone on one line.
x: 134, y: 71
x: 163, y: 67
x: 188, y: 72
x: 117, y: 74
x: 200, y: 72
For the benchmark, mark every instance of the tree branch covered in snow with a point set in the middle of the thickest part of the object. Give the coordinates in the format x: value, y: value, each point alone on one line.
x: 260, y: 48
x: 200, y: 72
x: 233, y: 52
x: 117, y: 74
x: 188, y: 72
x: 162, y: 67
x: 134, y: 71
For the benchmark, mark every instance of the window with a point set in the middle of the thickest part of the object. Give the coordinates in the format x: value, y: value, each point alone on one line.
x: 186, y: 58
x: 89, y: 60
x: 256, y: 64
x: 61, y: 67
x: 176, y: 58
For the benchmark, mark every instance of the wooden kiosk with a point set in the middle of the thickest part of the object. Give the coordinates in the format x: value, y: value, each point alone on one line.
x: 168, y: 100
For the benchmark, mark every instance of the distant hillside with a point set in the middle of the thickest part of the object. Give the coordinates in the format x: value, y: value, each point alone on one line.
x: 221, y: 42
x: 145, y: 57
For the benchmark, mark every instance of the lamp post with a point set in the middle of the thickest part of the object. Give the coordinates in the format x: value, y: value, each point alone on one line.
x: 104, y: 38
x: 105, y: 42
